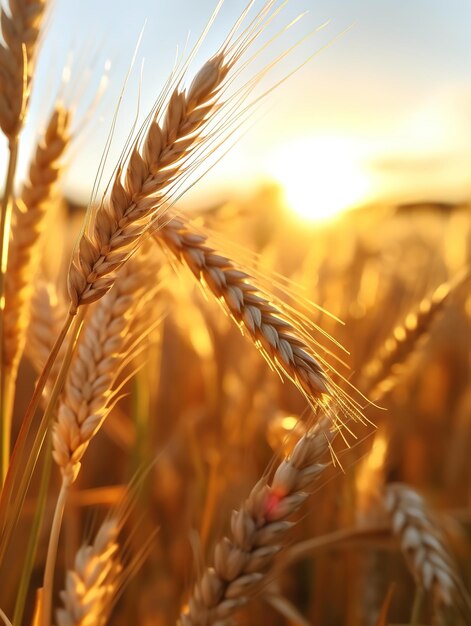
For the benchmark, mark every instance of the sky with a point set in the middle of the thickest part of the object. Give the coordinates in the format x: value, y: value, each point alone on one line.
x: 382, y: 110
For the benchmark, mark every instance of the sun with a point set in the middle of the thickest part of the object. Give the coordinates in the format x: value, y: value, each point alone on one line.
x: 321, y: 177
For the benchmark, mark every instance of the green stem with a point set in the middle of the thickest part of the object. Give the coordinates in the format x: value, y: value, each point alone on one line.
x: 34, y: 537
x: 48, y: 583
x: 5, y: 220
x: 417, y: 607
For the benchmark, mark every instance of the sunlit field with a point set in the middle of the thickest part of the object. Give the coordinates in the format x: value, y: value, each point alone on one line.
x: 235, y: 382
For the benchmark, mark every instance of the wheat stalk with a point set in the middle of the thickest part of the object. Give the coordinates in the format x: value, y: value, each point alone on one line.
x: 92, y: 583
x: 425, y: 547
x: 20, y: 30
x: 258, y: 529
x: 27, y: 225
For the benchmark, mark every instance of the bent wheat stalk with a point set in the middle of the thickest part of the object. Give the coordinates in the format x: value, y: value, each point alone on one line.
x: 425, y: 547
x: 258, y: 530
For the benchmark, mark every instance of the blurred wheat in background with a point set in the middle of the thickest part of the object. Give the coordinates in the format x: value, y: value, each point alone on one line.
x: 222, y: 413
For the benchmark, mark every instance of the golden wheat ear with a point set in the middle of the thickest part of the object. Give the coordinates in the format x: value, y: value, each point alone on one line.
x: 20, y: 30
x: 258, y: 530
x: 284, y: 338
x: 111, y: 334
x: 280, y: 342
x: 425, y: 547
x: 47, y: 316
x: 378, y: 376
x: 184, y: 128
x: 28, y: 222
x: 92, y: 583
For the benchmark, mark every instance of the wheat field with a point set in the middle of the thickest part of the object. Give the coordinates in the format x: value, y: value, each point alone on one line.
x: 224, y: 415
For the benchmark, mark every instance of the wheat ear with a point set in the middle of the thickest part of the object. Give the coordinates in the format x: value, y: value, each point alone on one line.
x: 111, y: 331
x: 268, y: 327
x: 20, y: 30
x: 122, y: 221
x: 47, y: 315
x: 379, y: 376
x: 258, y: 530
x: 27, y: 225
x: 425, y: 547
x: 184, y: 128
x: 92, y: 583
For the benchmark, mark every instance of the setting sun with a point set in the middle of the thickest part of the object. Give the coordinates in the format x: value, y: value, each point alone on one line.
x: 323, y: 178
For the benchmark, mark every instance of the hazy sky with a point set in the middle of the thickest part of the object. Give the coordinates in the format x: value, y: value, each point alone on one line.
x: 391, y: 97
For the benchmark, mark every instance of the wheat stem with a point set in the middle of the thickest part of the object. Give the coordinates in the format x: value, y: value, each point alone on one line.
x: 33, y: 537
x: 48, y: 582
x: 305, y: 548
x: 417, y: 606
x: 5, y: 219
x: 7, y: 402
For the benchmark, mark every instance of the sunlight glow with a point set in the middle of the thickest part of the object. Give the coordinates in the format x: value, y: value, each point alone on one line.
x: 321, y: 176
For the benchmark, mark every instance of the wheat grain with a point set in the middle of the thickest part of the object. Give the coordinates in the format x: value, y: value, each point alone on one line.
x: 258, y: 530
x: 20, y: 30
x: 425, y: 547
x: 91, y: 585
x: 27, y: 225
